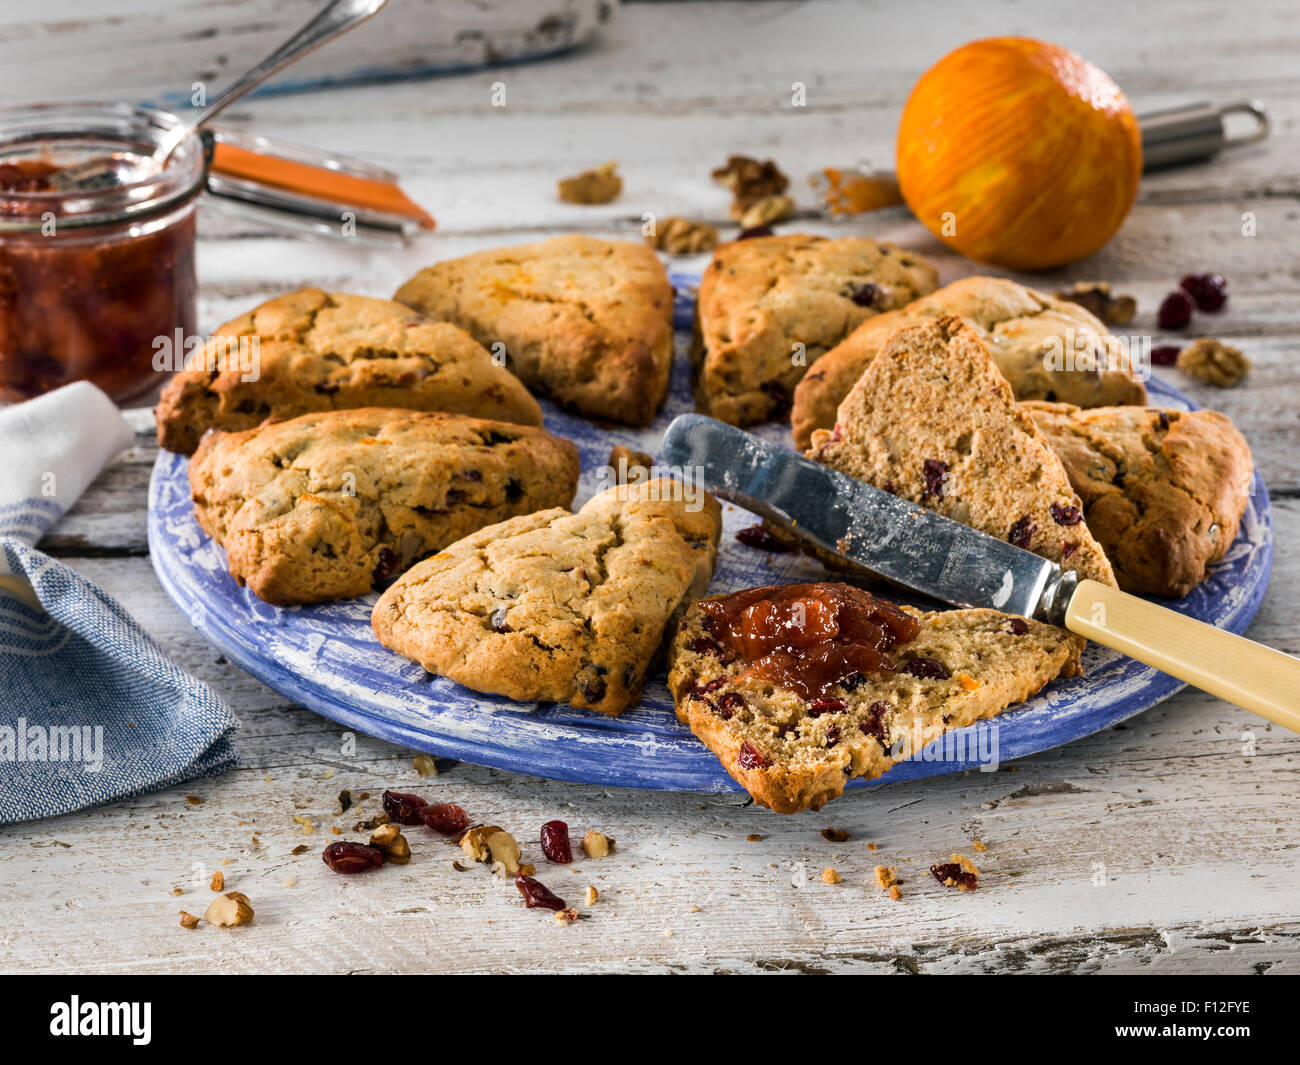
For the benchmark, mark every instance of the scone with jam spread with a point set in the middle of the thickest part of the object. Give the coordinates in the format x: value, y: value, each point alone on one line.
x: 587, y: 322
x: 1024, y: 330
x: 770, y: 307
x: 325, y: 506
x: 798, y: 688
x: 320, y: 351
x: 559, y: 607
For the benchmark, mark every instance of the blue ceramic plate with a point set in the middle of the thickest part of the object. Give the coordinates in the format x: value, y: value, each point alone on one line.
x: 326, y: 657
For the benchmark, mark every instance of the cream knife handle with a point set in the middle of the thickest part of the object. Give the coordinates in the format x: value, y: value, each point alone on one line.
x: 1247, y: 674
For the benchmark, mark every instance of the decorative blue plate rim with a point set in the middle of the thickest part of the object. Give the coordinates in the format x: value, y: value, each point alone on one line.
x: 326, y: 658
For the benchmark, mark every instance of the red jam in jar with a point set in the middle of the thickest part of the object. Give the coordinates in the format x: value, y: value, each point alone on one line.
x: 92, y: 281
x: 809, y: 637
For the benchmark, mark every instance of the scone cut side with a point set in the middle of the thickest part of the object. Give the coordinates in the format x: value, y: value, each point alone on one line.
x: 770, y: 307
x: 1163, y: 490
x: 559, y: 607
x: 1021, y: 327
x: 793, y: 754
x: 325, y: 506
x: 312, y: 351
x: 933, y: 421
x: 587, y: 322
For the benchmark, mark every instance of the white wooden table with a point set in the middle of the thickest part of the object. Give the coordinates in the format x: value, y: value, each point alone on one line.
x: 1168, y: 844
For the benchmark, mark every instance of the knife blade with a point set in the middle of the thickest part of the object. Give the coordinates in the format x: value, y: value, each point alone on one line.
x: 918, y: 549
x: 891, y: 538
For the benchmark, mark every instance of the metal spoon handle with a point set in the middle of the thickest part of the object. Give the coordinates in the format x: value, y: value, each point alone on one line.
x: 341, y: 15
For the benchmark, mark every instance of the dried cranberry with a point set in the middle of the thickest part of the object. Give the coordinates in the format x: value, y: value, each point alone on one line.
x: 1165, y: 354
x: 1068, y: 548
x: 751, y: 758
x: 758, y: 537
x: 832, y: 736
x: 935, y: 472
x: 403, y: 808
x: 729, y: 703
x: 1022, y: 532
x: 926, y: 668
x: 536, y: 894
x: 1176, y: 311
x: 1163, y: 418
x: 1066, y: 515
x: 555, y: 842
x: 853, y: 682
x: 386, y: 565
x: 701, y: 690
x: 346, y: 857
x: 702, y: 645
x: 865, y: 294
x: 825, y: 706
x: 1019, y: 626
x: 1208, y: 291
x: 444, y: 817
x: 874, y: 725
x: 945, y: 871
x: 754, y: 231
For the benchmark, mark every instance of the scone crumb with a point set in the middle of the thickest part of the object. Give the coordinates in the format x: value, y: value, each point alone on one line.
x: 1095, y: 297
x: 307, y: 827
x: 178, y: 891
x: 624, y: 461
x: 528, y: 869
x: 1213, y: 362
x: 218, y: 882
x: 188, y: 920
x: 895, y: 893
x: 592, y: 895
x: 193, y: 800
x: 680, y: 236
x: 692, y: 908
x: 979, y: 846
x: 830, y: 876
x: 566, y: 916
x: 597, y: 844
x: 750, y: 181
x: 834, y: 835
x: 599, y: 185
x: 885, y: 877
x: 753, y: 837
x: 873, y: 846
x: 302, y: 848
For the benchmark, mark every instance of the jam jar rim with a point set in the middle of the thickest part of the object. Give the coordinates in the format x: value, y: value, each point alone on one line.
x: 27, y: 126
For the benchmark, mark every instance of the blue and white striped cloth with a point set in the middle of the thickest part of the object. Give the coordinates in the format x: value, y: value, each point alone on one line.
x: 91, y: 709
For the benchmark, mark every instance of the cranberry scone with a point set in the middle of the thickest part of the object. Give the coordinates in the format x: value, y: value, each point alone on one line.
x: 1163, y: 490
x: 320, y: 351
x: 559, y: 607
x: 587, y: 322
x: 1023, y: 329
x: 325, y: 506
x: 769, y: 307
x: 798, y: 688
x: 934, y: 422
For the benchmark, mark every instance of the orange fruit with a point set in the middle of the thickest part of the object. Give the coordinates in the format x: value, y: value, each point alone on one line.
x: 1019, y: 153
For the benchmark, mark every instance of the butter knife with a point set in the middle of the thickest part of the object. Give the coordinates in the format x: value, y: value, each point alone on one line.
x: 915, y: 548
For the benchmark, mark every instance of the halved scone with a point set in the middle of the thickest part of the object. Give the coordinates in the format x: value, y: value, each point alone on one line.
x: 557, y: 606
x: 1026, y: 331
x: 793, y: 736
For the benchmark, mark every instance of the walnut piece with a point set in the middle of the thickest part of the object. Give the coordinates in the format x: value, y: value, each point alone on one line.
x: 765, y: 211
x: 389, y: 839
x: 1213, y: 362
x: 592, y: 186
x: 229, y: 910
x: 566, y: 916
x: 681, y: 236
x: 625, y: 462
x: 592, y: 894
x: 834, y: 835
x: 1095, y: 297
x: 489, y: 843
x: 425, y: 765
x: 597, y: 844
x: 188, y: 920
x: 750, y: 181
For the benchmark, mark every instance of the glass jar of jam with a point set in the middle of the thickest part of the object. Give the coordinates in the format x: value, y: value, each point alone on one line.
x: 93, y: 283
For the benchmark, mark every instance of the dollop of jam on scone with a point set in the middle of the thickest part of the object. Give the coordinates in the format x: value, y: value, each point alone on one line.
x: 797, y: 688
